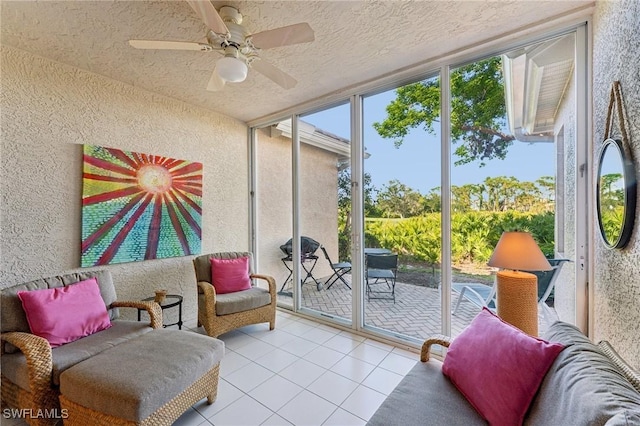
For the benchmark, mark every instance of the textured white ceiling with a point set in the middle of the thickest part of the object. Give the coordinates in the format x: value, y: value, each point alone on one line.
x: 355, y: 41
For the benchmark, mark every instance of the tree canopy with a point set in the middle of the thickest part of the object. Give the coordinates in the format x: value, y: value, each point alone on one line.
x: 478, y: 111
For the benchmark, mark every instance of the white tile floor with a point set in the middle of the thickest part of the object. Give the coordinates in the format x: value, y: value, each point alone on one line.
x: 301, y: 373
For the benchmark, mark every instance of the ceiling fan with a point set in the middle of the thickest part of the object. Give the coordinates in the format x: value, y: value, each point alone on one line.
x: 240, y: 48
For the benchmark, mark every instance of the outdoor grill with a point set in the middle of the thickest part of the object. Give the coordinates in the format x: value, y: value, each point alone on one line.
x: 308, y: 259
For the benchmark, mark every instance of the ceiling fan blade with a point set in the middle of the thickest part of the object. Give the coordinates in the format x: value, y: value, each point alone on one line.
x: 205, y: 10
x: 284, y: 36
x: 216, y: 82
x: 169, y: 45
x: 273, y: 73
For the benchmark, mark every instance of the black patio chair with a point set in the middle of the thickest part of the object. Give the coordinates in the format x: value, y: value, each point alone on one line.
x: 381, y: 269
x: 339, y: 270
x: 308, y: 260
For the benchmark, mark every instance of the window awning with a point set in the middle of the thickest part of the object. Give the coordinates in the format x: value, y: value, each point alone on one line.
x: 536, y: 80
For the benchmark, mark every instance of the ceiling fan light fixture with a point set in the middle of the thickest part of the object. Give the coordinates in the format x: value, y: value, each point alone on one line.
x: 232, y: 69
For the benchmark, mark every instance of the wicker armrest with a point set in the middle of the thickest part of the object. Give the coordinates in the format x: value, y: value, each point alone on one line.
x: 208, y: 290
x: 437, y: 339
x: 37, y: 351
x: 155, y: 313
x: 270, y: 280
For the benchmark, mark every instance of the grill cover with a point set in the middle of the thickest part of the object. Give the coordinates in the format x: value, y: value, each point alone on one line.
x: 308, y: 246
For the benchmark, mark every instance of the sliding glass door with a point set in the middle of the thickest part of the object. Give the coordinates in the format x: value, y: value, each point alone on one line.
x: 273, y: 203
x: 402, y: 214
x: 426, y: 176
x: 324, y: 172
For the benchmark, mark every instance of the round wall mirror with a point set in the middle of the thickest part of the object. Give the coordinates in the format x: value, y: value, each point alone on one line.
x: 616, y: 194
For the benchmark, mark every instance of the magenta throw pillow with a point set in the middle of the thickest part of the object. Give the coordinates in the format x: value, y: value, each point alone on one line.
x: 64, y: 314
x: 230, y: 275
x: 498, y: 368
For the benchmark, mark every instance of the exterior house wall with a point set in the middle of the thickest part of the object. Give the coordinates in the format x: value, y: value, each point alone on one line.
x: 616, y: 287
x: 565, y: 290
x: 48, y: 111
x: 318, y: 200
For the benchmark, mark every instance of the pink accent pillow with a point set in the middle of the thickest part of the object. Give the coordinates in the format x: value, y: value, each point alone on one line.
x: 230, y: 275
x: 498, y: 368
x: 64, y: 314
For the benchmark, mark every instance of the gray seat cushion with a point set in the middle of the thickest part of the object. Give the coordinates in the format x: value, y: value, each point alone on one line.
x: 135, y: 378
x: 426, y: 397
x: 583, y: 386
x: 231, y: 303
x: 14, y: 365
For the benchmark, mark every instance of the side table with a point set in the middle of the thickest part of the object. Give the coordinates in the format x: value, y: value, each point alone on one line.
x: 170, y: 301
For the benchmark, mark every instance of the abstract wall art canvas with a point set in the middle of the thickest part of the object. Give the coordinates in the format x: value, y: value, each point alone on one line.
x: 137, y: 207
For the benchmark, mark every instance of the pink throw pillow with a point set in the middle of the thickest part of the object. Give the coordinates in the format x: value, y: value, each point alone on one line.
x: 64, y: 314
x: 498, y: 368
x: 230, y: 275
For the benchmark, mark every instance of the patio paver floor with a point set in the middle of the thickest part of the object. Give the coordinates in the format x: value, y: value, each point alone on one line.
x: 416, y: 312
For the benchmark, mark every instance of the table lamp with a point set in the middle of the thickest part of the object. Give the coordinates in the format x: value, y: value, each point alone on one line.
x: 517, y: 292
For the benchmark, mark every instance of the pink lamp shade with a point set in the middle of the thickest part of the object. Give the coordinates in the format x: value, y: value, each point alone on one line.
x: 518, y: 251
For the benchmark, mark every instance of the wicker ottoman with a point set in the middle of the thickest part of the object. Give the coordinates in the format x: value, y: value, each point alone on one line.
x: 150, y: 380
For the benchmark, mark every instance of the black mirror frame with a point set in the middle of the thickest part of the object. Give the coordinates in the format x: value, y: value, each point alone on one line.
x: 630, y: 184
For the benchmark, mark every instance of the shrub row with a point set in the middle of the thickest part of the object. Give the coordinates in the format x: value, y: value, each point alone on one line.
x: 473, y: 234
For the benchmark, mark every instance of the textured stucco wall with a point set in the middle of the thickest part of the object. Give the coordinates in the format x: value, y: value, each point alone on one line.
x: 617, y: 284
x: 319, y: 202
x: 565, y: 291
x: 48, y: 111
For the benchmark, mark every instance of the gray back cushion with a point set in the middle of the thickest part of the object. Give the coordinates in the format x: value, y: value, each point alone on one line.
x: 202, y: 264
x: 583, y: 386
x: 13, y: 317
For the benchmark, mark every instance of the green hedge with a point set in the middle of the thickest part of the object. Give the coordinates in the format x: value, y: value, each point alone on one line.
x: 473, y: 236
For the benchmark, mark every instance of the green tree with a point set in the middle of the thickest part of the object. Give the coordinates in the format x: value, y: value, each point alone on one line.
x: 396, y: 199
x: 547, y: 185
x: 501, y: 193
x: 528, y: 197
x: 432, y: 202
x: 478, y: 111
x: 467, y: 197
x: 344, y: 209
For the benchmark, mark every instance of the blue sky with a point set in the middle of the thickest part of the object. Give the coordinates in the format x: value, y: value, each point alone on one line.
x: 416, y: 163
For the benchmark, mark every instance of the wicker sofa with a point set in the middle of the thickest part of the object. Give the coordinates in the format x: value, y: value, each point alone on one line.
x: 130, y: 373
x: 587, y: 384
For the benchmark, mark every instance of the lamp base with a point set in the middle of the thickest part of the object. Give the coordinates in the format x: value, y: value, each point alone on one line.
x: 517, y: 297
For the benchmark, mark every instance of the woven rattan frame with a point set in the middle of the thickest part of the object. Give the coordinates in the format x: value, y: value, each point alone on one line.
x: 41, y: 394
x: 205, y: 387
x: 216, y: 325
x: 437, y: 339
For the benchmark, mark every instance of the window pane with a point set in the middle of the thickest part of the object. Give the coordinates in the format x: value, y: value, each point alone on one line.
x: 402, y: 209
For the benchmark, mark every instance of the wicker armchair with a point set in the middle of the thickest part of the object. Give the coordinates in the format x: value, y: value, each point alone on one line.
x: 220, y: 313
x: 28, y: 362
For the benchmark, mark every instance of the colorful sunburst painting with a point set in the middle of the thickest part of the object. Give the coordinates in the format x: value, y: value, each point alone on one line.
x: 138, y: 207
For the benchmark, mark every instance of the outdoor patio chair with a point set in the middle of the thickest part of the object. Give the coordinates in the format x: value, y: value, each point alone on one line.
x: 339, y: 270
x: 381, y: 269
x: 481, y: 295
x: 547, y: 283
x: 308, y: 260
x: 222, y: 311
